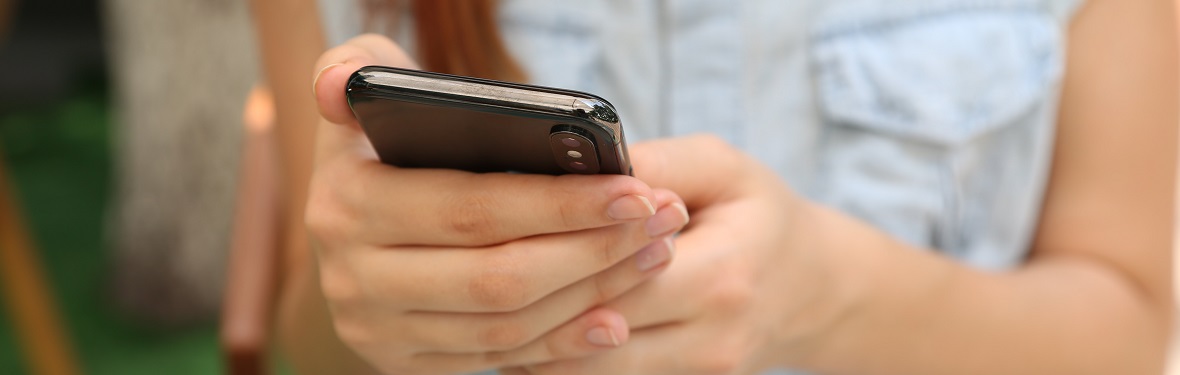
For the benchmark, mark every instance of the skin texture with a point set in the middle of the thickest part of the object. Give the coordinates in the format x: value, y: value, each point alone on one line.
x: 762, y: 277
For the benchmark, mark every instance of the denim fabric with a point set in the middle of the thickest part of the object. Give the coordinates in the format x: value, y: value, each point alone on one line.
x: 932, y: 120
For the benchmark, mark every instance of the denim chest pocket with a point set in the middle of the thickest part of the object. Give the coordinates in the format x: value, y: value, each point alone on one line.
x: 941, y: 73
x: 936, y: 118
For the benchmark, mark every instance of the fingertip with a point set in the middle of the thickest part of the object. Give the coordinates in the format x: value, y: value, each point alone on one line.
x: 618, y: 326
x: 626, y: 185
x: 608, y: 328
x: 655, y: 256
x: 630, y: 207
x: 624, y: 197
x: 666, y: 197
x: 329, y: 87
x: 683, y: 211
x: 669, y: 198
x: 335, y: 67
x: 628, y: 192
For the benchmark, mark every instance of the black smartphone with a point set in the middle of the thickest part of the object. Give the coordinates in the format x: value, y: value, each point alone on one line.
x: 418, y: 119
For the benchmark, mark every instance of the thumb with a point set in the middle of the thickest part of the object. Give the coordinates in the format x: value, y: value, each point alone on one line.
x: 333, y: 69
x: 335, y: 66
x: 703, y: 169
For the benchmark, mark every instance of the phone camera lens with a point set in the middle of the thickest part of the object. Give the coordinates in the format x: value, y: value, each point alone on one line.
x: 578, y: 165
x: 570, y: 142
x: 574, y: 154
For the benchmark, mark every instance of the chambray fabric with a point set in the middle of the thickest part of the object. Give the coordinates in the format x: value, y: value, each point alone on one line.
x: 932, y: 120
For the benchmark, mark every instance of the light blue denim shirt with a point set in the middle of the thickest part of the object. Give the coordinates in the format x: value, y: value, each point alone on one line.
x: 932, y: 120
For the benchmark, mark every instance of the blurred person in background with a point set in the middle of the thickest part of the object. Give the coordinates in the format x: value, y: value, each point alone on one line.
x: 919, y: 187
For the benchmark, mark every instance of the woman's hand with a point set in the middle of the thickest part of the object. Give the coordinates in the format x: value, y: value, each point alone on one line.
x: 748, y: 290
x: 439, y: 271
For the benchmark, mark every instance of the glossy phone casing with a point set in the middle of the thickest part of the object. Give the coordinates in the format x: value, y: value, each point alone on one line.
x: 417, y: 119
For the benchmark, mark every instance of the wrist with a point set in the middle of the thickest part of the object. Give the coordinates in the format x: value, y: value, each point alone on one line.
x: 878, y: 289
x: 845, y: 273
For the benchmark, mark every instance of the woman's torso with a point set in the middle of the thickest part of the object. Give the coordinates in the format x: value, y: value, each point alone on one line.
x: 932, y: 120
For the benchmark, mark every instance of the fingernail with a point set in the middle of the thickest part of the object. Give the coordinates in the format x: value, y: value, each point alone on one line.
x: 654, y: 255
x: 630, y: 207
x: 667, y: 220
x: 320, y: 73
x: 683, y: 212
x: 602, y: 336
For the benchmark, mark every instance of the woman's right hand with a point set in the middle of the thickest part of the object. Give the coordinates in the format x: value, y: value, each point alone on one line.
x: 440, y: 271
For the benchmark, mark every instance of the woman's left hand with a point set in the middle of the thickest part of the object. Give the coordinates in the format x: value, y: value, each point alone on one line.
x: 748, y: 290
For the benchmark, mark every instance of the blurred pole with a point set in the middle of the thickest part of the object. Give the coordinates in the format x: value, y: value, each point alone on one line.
x: 28, y: 297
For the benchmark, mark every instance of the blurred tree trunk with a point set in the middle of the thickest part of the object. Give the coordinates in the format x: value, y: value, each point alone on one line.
x: 181, y: 70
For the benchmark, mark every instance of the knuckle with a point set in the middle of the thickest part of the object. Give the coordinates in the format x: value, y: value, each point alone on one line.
x: 606, y: 286
x: 503, y: 336
x: 732, y: 295
x: 607, y: 245
x: 326, y: 215
x: 601, y: 289
x: 569, y: 214
x: 339, y: 286
x: 553, y: 348
x: 318, y: 210
x: 470, y: 215
x: 499, y: 291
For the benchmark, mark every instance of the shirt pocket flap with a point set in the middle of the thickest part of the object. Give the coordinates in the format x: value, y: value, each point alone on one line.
x: 942, y: 75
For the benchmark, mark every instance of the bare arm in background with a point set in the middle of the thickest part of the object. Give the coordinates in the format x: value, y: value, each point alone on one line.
x: 1096, y: 297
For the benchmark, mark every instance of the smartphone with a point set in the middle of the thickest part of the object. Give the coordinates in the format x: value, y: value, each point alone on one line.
x: 418, y: 119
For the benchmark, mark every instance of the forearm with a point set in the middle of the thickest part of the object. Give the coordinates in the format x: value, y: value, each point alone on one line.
x: 914, y: 312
